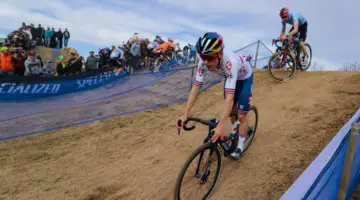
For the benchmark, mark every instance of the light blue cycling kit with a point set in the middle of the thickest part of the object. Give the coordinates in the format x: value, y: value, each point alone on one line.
x: 294, y: 16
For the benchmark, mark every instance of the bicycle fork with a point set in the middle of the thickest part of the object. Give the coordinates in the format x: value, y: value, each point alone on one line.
x: 203, y: 177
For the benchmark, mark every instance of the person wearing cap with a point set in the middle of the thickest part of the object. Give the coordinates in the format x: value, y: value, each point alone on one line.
x: 6, y: 63
x: 32, y: 65
x: 48, y: 69
x: 91, y: 63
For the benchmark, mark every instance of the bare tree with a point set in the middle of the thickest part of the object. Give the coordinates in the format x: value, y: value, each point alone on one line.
x: 350, y: 67
x: 315, y: 67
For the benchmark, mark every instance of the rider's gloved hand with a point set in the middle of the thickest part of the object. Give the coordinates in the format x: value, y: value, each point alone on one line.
x: 282, y: 37
x: 182, y: 120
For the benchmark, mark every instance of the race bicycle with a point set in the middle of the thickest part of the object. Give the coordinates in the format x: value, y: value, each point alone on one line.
x: 163, y: 62
x: 146, y: 64
x: 184, y: 56
x: 287, y: 61
x: 201, y: 174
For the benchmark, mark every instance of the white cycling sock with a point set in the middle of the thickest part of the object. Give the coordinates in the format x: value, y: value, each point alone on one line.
x: 241, y: 143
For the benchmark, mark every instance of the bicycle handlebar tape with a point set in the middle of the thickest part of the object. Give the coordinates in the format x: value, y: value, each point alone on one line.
x: 179, y: 124
x: 189, y: 128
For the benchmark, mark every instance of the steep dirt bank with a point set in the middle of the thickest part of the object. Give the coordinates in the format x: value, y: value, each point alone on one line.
x: 139, y: 156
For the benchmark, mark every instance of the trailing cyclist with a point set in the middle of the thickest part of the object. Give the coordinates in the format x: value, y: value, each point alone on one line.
x: 299, y: 25
x: 162, y: 49
x: 238, y: 85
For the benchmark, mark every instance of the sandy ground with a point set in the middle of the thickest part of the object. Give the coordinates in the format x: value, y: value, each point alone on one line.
x: 139, y: 156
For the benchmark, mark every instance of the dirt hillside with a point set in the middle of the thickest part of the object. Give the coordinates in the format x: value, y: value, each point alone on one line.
x: 46, y: 53
x: 139, y: 156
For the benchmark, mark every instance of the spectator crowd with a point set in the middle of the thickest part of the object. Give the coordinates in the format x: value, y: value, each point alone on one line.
x: 15, y: 61
x: 135, y: 47
x: 48, y: 37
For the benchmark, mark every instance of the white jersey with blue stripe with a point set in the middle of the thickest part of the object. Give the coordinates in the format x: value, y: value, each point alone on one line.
x: 294, y: 17
x: 233, y: 67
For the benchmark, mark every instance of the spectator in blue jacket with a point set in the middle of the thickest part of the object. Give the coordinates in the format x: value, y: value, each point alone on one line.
x: 48, y: 34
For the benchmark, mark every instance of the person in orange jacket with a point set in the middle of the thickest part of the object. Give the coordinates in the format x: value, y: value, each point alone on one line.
x: 6, y: 63
x: 163, y: 48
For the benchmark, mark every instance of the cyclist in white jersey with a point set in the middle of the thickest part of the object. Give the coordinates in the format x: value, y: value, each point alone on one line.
x: 238, y: 84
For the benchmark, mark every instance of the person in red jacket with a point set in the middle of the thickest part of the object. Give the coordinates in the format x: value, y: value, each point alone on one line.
x: 19, y: 64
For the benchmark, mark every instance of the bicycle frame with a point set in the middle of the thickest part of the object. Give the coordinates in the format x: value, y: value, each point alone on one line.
x: 285, y: 49
x: 212, y: 123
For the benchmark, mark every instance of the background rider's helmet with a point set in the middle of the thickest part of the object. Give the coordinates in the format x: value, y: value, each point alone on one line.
x: 170, y: 40
x: 284, y: 13
x: 210, y: 43
x: 32, y: 54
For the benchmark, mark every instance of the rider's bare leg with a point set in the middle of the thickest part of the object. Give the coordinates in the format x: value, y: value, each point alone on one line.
x: 232, y: 118
x: 242, y: 128
x: 243, y: 124
x: 302, y: 46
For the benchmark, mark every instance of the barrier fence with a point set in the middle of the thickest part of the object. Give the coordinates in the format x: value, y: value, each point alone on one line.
x: 116, y: 96
x: 259, y: 52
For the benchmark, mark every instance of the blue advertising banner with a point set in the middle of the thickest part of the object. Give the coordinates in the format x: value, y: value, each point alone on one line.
x: 322, y: 178
x: 32, y: 89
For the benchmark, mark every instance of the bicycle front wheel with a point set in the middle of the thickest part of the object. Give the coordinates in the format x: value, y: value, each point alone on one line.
x: 191, y: 183
x: 281, y: 66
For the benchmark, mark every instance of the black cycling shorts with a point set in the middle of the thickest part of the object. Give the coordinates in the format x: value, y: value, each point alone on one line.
x: 302, y: 31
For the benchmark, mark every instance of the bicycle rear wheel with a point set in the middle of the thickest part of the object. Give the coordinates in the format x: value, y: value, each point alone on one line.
x: 252, y: 118
x: 309, y: 52
x: 162, y: 65
x: 277, y: 64
x: 200, y: 174
x: 140, y: 66
x: 181, y: 58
